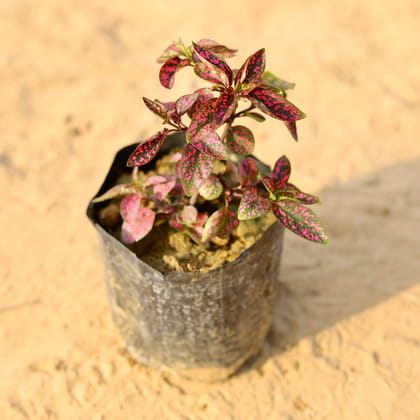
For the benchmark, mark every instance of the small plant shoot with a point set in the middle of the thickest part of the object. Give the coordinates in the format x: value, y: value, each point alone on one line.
x: 216, y: 182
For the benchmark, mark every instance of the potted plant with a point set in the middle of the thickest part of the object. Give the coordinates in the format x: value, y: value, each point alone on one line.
x: 192, y: 224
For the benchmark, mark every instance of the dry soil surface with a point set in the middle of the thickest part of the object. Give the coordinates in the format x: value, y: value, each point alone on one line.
x: 346, y: 336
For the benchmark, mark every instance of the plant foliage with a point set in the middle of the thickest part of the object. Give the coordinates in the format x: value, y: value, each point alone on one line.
x: 235, y: 188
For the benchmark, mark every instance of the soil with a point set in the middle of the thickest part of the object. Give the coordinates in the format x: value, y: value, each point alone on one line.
x: 167, y: 250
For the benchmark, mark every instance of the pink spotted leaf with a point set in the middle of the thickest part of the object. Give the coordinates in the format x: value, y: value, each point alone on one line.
x: 294, y: 193
x: 225, y: 105
x: 210, y: 74
x: 231, y: 175
x: 203, y: 95
x: 194, y: 168
x: 240, y: 140
x: 253, y: 205
x: 129, y: 206
x: 202, y: 122
x: 213, y: 59
x: 291, y: 126
x: 248, y: 172
x: 139, y: 226
x: 211, y: 188
x: 169, y: 69
x: 269, y: 183
x: 300, y: 220
x: 184, y: 103
x: 171, y: 52
x: 173, y: 221
x: 221, y: 223
x: 147, y: 150
x: 281, y: 171
x: 156, y: 107
x: 160, y: 185
x: 255, y: 67
x: 187, y: 216
x: 211, y: 145
x: 275, y: 105
x: 216, y: 48
x: 196, y: 230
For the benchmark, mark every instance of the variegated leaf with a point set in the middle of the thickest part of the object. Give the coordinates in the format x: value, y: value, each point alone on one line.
x: 275, y: 82
x: 248, y: 172
x: 194, y: 168
x: 147, y: 150
x: 171, y: 52
x: 160, y: 185
x: 202, y: 122
x: 138, y: 227
x: 216, y: 48
x: 269, y: 183
x: 300, y: 220
x: 255, y: 116
x: 173, y: 221
x: 225, y: 105
x: 211, y: 145
x: 210, y: 73
x: 291, y: 126
x: 188, y: 215
x: 291, y: 191
x: 221, y: 223
x: 156, y: 107
x: 116, y: 191
x: 184, y: 103
x: 231, y: 175
x: 281, y: 171
x: 211, y: 188
x: 239, y: 74
x: 203, y: 95
x: 169, y: 69
x: 255, y: 67
x: 275, y: 105
x: 214, y: 60
x: 130, y: 206
x: 240, y: 140
x: 253, y: 205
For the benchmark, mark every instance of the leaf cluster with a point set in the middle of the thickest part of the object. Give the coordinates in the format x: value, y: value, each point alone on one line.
x: 216, y: 163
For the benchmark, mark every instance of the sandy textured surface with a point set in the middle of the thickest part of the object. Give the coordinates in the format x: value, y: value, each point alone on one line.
x: 346, y: 339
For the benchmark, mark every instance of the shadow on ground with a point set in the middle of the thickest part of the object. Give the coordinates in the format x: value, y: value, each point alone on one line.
x: 374, y: 254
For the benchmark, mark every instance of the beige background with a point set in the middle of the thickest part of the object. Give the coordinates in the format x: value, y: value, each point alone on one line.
x: 346, y: 339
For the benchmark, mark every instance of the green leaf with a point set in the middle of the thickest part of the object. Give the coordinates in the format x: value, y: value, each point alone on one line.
x: 116, y: 191
x: 275, y: 82
x: 255, y: 116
